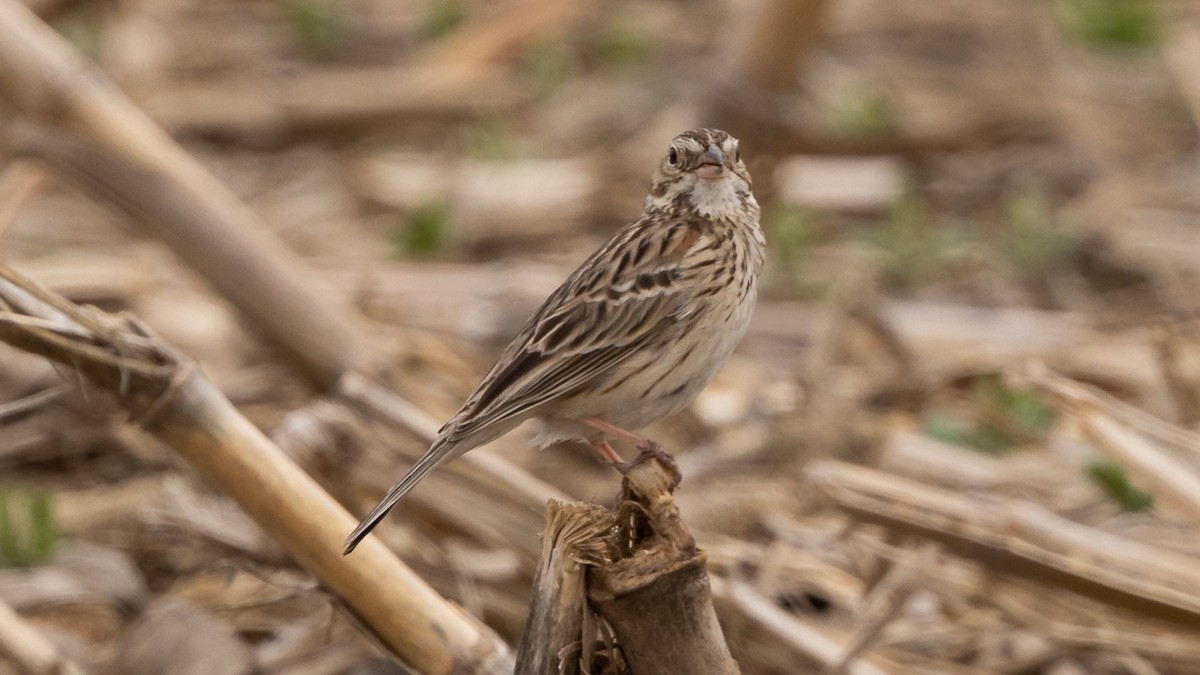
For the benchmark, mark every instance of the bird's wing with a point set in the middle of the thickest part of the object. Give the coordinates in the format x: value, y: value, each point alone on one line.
x: 625, y: 296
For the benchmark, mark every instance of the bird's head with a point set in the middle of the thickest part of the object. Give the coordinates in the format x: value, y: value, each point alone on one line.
x: 703, y: 172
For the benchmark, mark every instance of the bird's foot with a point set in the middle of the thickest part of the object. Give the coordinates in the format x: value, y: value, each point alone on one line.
x: 611, y: 457
x: 650, y: 449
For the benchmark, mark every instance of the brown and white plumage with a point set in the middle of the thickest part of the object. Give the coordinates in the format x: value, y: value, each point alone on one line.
x: 638, y: 329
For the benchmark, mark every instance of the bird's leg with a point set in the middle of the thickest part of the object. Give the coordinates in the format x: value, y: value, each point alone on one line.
x: 639, y: 442
x: 606, y: 451
x: 642, y: 443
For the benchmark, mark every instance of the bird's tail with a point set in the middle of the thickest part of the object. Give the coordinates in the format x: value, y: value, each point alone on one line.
x: 438, y: 453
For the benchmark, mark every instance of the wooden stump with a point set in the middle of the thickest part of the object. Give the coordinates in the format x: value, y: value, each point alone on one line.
x: 649, y: 609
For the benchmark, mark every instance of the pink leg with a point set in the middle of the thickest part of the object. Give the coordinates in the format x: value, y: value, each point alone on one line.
x: 606, y: 451
x: 640, y: 442
x: 647, y: 446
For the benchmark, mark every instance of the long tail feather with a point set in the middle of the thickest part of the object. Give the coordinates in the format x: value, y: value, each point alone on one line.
x: 436, y: 455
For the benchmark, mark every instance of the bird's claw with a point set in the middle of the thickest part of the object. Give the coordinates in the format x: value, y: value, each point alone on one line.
x: 651, y: 449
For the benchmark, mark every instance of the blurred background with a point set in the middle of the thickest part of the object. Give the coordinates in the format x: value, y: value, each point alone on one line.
x: 950, y: 190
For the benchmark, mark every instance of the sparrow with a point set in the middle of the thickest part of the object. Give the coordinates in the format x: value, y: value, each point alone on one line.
x: 636, y: 331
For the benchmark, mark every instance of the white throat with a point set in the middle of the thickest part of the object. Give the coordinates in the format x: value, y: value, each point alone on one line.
x: 714, y: 197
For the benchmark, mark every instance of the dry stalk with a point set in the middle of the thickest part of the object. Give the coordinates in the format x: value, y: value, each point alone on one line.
x: 173, y: 400
x: 21, y: 181
x: 639, y: 567
x: 795, y: 634
x: 885, y: 602
x: 1186, y: 393
x: 1178, y: 649
x: 488, y: 41
x: 554, y: 638
x: 1021, y: 538
x: 332, y: 97
x: 762, y: 63
x: 459, y: 75
x: 1181, y: 52
x: 870, y: 314
x: 24, y: 406
x: 105, y: 142
x: 1169, y: 478
x: 776, y: 40
x: 28, y: 649
x: 908, y: 453
x: 654, y: 590
x: 1076, y: 623
x: 1114, y: 426
x: 1075, y: 395
x: 114, y: 149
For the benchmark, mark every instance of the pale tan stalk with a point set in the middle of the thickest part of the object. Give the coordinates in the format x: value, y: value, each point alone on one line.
x: 172, y: 399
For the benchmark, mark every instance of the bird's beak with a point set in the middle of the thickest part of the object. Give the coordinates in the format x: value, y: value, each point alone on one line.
x: 712, y: 163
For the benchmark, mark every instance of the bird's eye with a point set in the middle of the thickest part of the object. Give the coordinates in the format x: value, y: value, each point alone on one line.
x: 672, y: 157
